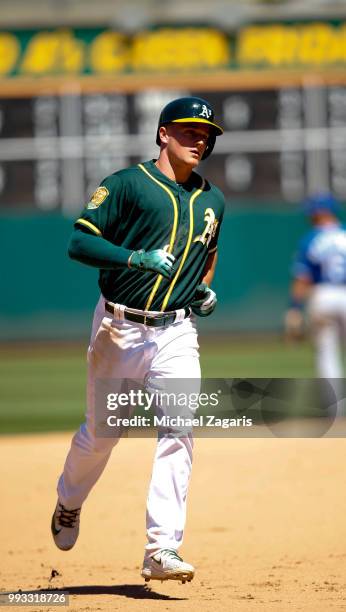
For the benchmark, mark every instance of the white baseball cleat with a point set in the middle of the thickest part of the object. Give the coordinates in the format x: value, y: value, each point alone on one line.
x: 167, y: 565
x: 65, y: 526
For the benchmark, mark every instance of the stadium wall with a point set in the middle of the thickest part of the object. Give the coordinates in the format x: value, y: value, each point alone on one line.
x: 45, y: 295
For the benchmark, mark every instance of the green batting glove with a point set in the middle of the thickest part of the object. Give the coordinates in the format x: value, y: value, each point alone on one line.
x: 153, y: 261
x: 204, y: 301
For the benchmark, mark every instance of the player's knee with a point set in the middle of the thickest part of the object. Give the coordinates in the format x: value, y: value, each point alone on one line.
x: 171, y: 442
x: 102, y: 446
x: 88, y: 442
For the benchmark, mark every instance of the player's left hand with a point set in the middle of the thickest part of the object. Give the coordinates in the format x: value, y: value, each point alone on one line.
x: 204, y: 301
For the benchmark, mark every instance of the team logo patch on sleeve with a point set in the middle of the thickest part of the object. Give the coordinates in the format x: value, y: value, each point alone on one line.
x: 98, y: 197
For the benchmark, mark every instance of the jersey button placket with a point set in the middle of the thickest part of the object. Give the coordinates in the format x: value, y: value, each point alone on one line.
x: 183, y: 218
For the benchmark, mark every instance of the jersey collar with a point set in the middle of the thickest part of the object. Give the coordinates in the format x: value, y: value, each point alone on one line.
x: 194, y: 181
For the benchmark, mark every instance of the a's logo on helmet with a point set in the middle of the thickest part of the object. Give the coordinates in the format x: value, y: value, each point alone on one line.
x: 206, y: 112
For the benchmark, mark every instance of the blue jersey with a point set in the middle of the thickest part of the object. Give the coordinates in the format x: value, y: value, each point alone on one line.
x: 322, y: 255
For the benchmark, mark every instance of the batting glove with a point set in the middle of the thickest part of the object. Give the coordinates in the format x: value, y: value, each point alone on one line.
x: 294, y: 324
x: 204, y: 301
x: 153, y: 261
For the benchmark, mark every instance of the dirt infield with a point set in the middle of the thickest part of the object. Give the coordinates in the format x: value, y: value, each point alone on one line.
x: 266, y: 527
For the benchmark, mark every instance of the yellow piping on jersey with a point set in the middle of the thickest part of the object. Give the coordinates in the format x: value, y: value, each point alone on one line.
x: 90, y: 226
x: 173, y: 234
x: 187, y: 247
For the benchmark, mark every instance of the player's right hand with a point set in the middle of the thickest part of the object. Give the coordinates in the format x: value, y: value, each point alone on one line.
x: 153, y: 261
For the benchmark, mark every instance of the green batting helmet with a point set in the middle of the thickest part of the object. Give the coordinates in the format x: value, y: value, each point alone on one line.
x: 190, y: 110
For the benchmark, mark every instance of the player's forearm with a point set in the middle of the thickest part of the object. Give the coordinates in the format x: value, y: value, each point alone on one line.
x: 209, y: 268
x: 300, y: 290
x: 95, y: 251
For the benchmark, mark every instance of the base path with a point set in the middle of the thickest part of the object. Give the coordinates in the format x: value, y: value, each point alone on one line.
x: 266, y: 527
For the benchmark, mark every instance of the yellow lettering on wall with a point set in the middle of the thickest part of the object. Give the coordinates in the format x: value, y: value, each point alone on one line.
x: 281, y: 45
x: 109, y: 53
x: 323, y: 44
x: 165, y: 49
x: 250, y: 46
x: 314, y: 42
x: 274, y: 45
x: 336, y: 50
x: 9, y: 52
x: 51, y: 52
x: 182, y: 49
x: 40, y: 54
x: 342, y: 42
x: 71, y: 55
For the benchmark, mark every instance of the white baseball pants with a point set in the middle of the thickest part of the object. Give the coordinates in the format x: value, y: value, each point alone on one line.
x: 327, y: 313
x: 123, y: 349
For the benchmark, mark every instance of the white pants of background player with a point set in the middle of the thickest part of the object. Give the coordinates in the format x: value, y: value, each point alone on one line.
x: 327, y: 314
x: 122, y: 349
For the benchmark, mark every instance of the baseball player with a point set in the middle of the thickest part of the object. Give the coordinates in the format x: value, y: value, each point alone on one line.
x: 319, y: 279
x: 152, y: 230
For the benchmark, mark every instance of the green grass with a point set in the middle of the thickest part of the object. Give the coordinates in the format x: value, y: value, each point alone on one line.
x: 42, y: 388
x: 260, y: 358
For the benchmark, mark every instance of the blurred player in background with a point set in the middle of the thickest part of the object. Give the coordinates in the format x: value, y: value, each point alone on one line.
x: 319, y: 282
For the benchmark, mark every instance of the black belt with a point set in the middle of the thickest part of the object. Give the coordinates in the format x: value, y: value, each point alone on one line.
x: 161, y: 319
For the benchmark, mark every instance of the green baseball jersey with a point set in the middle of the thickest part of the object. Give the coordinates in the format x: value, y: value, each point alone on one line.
x: 141, y: 208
